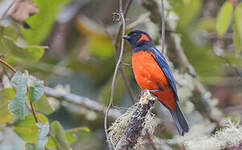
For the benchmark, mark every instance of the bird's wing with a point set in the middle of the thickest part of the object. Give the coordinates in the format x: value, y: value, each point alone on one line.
x: 160, y: 59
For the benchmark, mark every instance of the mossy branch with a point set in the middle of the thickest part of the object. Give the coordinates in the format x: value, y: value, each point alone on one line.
x: 136, y: 123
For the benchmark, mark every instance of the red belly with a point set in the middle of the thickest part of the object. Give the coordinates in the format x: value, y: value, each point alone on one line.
x: 149, y: 75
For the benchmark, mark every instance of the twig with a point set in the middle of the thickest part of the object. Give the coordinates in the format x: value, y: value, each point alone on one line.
x: 136, y: 123
x: 163, y: 29
x: 79, y: 100
x: 115, y: 74
x: 33, y: 112
x: 9, y: 66
x: 6, y: 11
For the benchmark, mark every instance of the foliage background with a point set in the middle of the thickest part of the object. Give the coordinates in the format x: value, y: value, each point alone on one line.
x: 70, y: 48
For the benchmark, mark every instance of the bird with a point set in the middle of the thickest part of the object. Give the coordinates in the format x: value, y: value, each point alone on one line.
x: 153, y: 73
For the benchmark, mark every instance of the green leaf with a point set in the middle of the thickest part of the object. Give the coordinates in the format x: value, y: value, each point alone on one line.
x: 42, y: 136
x: 25, y: 54
x: 27, y: 128
x: 36, y: 89
x: 72, y: 134
x: 9, y: 31
x: 237, y: 27
x: 17, y: 105
x: 58, y: 137
x: 42, y: 22
x: 42, y: 105
x: 224, y: 18
x: 18, y: 54
x: 5, y: 96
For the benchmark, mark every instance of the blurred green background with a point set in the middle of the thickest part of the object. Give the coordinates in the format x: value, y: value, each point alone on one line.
x: 79, y: 57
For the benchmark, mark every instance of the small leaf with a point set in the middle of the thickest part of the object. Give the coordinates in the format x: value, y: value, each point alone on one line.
x: 237, y: 27
x: 17, y: 105
x: 9, y: 31
x: 42, y: 105
x: 224, y: 18
x: 42, y: 136
x: 72, y: 134
x: 27, y: 54
x: 17, y: 54
x: 36, y: 89
x: 5, y: 96
x: 27, y: 128
x: 58, y: 136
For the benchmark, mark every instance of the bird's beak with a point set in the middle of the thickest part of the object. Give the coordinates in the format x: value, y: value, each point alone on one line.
x: 126, y: 37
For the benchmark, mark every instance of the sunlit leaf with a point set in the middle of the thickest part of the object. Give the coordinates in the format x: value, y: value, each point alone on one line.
x: 72, y: 134
x: 5, y: 96
x: 17, y: 105
x: 237, y: 27
x: 58, y: 137
x: 9, y: 31
x: 27, y: 128
x: 27, y: 53
x: 36, y: 89
x: 42, y: 105
x: 41, y: 23
x: 15, y: 53
x: 224, y: 18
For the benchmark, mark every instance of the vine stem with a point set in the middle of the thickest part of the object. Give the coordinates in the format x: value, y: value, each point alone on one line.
x: 14, y: 70
x: 115, y: 74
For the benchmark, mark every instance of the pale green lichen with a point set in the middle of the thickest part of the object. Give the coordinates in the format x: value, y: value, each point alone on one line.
x: 230, y: 135
x: 118, y: 127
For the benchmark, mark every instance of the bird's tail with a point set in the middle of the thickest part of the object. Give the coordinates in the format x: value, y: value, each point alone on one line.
x: 180, y: 120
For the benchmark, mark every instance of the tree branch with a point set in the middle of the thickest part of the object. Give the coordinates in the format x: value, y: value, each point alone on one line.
x: 136, y: 123
x: 79, y: 100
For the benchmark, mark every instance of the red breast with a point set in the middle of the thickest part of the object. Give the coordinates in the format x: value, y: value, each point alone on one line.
x: 149, y: 75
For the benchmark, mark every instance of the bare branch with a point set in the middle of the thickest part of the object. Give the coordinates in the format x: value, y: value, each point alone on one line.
x: 136, y: 123
x: 79, y: 100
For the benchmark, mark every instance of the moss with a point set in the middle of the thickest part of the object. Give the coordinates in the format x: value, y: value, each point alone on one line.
x: 118, y: 127
x: 229, y: 136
